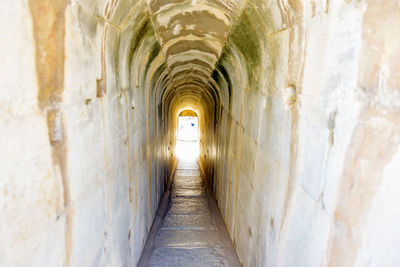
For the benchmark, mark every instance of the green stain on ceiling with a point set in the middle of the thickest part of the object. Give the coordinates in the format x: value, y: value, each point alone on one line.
x: 144, y: 32
x: 144, y: 42
x: 156, y: 76
x: 245, y: 37
x: 221, y: 71
x: 154, y: 51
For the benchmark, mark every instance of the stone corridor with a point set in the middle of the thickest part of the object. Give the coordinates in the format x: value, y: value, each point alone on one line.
x: 297, y: 111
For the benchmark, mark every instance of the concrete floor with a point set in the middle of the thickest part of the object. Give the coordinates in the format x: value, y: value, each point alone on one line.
x: 188, y: 229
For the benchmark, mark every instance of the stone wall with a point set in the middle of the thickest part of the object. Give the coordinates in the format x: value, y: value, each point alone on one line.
x: 80, y: 175
x: 308, y: 146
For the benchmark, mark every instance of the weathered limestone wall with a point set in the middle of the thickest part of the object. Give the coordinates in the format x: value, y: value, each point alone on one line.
x: 308, y: 151
x: 80, y: 176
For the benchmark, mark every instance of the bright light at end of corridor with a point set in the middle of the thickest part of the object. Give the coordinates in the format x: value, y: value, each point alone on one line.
x: 187, y: 145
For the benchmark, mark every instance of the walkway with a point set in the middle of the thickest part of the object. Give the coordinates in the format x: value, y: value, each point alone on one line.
x: 188, y: 229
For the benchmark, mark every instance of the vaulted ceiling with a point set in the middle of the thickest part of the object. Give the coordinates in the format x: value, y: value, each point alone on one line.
x: 192, y: 34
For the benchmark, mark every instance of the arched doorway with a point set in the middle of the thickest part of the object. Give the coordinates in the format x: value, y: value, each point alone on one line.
x: 187, y: 145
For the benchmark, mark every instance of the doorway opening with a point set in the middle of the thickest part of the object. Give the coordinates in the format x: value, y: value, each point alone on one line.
x: 187, y: 143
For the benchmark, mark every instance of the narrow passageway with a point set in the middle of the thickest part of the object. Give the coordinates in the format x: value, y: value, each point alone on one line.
x: 189, y: 230
x: 254, y: 133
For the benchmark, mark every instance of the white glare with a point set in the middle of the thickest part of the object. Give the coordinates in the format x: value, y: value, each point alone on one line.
x: 187, y: 144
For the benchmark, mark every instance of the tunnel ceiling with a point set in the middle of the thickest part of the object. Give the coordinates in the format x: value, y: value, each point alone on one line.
x: 192, y: 34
